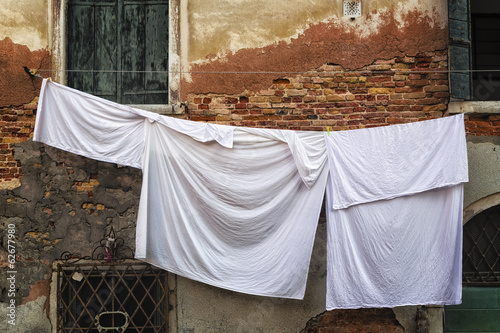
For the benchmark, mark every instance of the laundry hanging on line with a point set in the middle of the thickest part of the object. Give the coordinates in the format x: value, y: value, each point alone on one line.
x: 233, y: 207
x: 394, y: 214
x: 241, y: 212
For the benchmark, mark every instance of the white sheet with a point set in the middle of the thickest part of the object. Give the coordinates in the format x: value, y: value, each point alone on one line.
x: 403, y: 251
x: 238, y: 207
x: 388, y: 162
x: 242, y: 219
x: 394, y: 212
x: 96, y: 128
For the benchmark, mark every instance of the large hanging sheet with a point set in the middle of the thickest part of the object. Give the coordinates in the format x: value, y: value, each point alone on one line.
x: 233, y: 207
x: 394, y: 211
x: 241, y: 219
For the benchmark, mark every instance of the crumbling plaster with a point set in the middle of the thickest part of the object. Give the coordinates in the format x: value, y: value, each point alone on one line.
x: 257, y: 42
x: 219, y: 27
x: 25, y: 22
x: 16, y: 87
x: 483, y: 189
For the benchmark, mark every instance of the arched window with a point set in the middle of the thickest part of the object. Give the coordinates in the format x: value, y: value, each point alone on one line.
x: 481, y: 248
x: 480, y: 308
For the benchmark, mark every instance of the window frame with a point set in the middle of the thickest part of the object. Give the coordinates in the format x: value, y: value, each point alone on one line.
x: 170, y: 287
x: 58, y: 13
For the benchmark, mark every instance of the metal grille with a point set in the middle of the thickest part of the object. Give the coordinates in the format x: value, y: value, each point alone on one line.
x: 108, y: 295
x: 481, y: 249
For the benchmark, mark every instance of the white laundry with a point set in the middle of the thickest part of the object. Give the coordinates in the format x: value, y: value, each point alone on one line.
x: 96, y: 128
x: 394, y: 211
x: 238, y: 207
x: 388, y: 162
x: 242, y: 218
x: 232, y: 207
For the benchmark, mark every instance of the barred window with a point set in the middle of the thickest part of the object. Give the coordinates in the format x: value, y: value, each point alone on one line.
x: 131, y: 297
x: 481, y: 249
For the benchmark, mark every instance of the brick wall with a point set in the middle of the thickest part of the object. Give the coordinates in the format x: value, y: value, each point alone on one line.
x: 398, y: 90
x: 482, y: 125
x: 16, y: 126
x: 355, y: 321
x: 387, y: 92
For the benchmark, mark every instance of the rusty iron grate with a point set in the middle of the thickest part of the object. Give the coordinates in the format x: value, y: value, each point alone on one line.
x: 481, y: 249
x: 136, y: 290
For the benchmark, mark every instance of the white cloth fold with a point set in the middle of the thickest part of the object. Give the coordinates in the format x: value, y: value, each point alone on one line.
x: 388, y: 162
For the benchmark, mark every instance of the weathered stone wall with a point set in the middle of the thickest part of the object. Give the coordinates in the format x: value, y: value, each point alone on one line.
x: 65, y: 203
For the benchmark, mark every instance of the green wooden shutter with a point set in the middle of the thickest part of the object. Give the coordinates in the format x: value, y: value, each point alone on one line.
x: 119, y: 49
x: 92, y: 44
x: 460, y: 49
x: 479, y: 311
x: 145, y: 52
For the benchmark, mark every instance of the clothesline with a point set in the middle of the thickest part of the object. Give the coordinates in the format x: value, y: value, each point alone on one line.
x: 407, y: 70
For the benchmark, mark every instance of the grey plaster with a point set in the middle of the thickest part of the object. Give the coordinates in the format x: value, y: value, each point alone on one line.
x: 484, y: 168
x: 29, y: 318
x: 490, y: 107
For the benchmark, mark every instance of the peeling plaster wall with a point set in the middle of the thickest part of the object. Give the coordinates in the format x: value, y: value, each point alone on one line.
x: 484, y: 169
x: 16, y: 87
x: 25, y: 22
x: 64, y: 203
x: 238, y: 36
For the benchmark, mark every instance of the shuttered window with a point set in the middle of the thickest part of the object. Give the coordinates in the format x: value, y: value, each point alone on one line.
x: 118, y: 49
x: 486, y: 56
x: 460, y: 49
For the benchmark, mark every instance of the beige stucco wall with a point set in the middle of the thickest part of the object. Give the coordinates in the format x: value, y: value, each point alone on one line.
x: 483, y: 189
x: 25, y: 22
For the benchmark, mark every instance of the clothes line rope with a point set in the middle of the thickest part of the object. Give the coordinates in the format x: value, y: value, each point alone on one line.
x: 270, y: 72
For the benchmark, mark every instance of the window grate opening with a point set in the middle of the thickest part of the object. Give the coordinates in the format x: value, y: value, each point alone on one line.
x: 108, y: 295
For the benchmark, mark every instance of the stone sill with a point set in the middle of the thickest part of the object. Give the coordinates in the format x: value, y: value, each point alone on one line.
x: 164, y: 109
x: 489, y: 107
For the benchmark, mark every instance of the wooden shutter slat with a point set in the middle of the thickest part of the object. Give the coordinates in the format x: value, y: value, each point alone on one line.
x: 133, y: 30
x: 460, y: 49
x: 81, y: 38
x: 106, y: 57
x: 156, y: 54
